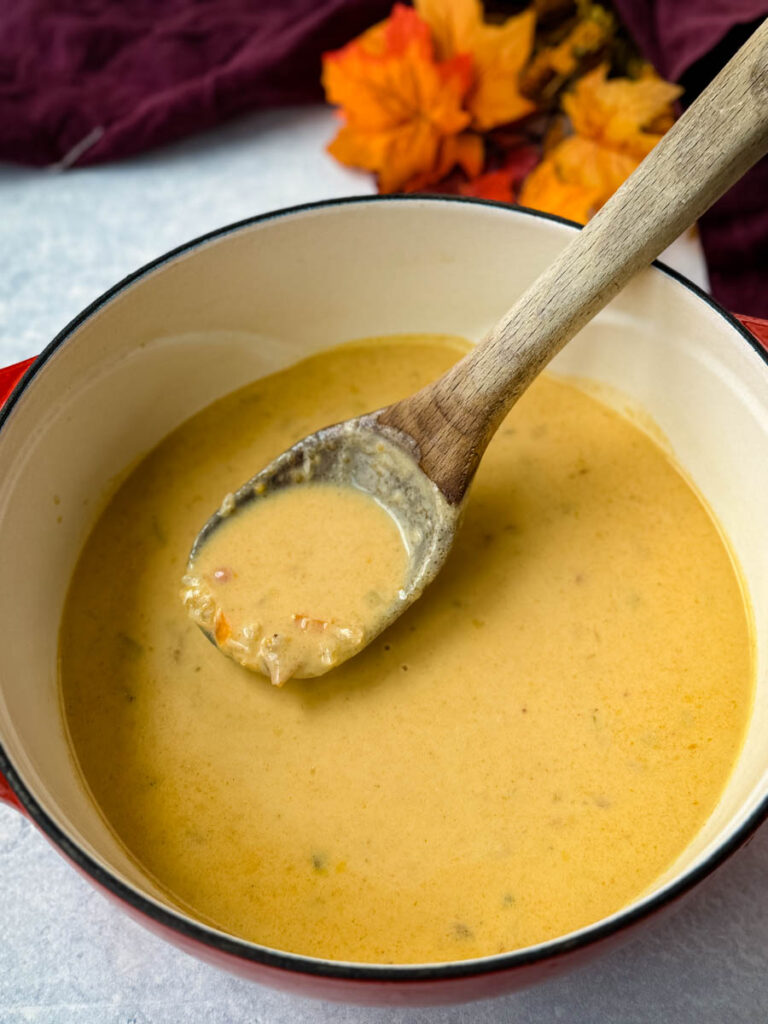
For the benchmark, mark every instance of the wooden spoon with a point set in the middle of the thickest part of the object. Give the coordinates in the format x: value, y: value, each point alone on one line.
x: 418, y: 456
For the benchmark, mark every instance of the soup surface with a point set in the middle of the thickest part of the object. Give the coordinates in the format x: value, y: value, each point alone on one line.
x: 522, y: 753
x: 291, y: 584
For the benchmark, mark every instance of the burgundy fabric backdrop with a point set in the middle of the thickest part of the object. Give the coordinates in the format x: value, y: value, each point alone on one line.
x: 84, y: 81
x: 144, y: 72
x: 688, y: 41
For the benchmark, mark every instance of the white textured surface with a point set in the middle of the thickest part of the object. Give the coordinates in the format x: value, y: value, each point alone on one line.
x: 66, y: 955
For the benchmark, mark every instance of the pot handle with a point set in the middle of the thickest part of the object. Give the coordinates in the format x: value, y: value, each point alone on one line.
x: 7, y: 795
x: 11, y: 375
x: 759, y: 328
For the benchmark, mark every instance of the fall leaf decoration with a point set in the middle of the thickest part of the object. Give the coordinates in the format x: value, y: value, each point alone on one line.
x: 465, y: 151
x: 498, y: 54
x: 611, y: 120
x: 437, y: 97
x: 620, y: 113
x: 400, y: 103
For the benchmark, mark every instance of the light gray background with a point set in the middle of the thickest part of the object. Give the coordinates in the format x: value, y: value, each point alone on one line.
x: 66, y: 955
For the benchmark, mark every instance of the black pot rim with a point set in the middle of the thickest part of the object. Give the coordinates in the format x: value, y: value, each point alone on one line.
x: 297, y: 963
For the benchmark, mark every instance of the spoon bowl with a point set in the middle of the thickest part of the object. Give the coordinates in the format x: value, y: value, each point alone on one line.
x: 372, y: 458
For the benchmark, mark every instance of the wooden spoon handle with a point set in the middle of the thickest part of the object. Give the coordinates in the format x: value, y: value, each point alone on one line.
x: 719, y: 137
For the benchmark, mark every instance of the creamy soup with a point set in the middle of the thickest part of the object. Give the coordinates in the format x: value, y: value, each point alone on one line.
x: 521, y: 754
x: 293, y: 582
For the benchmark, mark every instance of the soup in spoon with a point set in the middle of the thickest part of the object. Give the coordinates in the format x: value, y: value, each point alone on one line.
x: 298, y: 580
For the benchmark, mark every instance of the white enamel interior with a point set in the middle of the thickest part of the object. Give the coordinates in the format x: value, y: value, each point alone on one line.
x: 265, y: 295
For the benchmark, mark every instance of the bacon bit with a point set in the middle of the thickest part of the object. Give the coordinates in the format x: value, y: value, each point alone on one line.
x: 223, y: 575
x: 222, y: 629
x: 306, y: 623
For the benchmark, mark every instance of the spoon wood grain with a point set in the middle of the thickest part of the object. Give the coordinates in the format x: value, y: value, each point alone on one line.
x: 418, y: 456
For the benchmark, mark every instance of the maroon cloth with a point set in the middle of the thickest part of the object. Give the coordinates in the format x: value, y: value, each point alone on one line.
x: 688, y: 41
x: 135, y: 73
x: 83, y: 81
x: 675, y: 34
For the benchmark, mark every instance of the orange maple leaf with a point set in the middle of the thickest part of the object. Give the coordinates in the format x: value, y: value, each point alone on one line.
x: 620, y: 112
x: 545, y: 190
x: 400, y: 104
x: 576, y: 178
x: 466, y: 151
x: 611, y: 119
x: 498, y: 55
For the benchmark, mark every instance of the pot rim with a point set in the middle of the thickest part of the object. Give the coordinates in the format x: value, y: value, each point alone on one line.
x: 186, y: 926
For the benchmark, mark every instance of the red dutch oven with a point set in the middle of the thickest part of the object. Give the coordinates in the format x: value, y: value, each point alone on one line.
x: 255, y: 296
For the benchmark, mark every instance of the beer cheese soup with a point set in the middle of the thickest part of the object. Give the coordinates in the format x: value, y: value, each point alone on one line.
x: 522, y: 753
